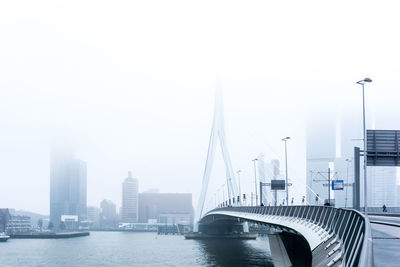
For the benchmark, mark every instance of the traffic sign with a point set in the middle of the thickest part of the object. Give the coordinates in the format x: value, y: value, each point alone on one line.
x: 337, y: 185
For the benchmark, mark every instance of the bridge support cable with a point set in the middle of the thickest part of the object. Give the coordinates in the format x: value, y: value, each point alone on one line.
x: 217, y: 135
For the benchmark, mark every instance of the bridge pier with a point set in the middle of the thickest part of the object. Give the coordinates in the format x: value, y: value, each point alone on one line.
x: 223, y: 229
x: 288, y: 249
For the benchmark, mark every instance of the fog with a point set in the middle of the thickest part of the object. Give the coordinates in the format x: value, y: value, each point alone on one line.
x: 129, y: 85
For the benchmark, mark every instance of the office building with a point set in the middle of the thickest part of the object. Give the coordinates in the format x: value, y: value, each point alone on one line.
x: 331, y: 138
x: 93, y: 216
x: 129, y: 209
x: 19, y: 224
x: 67, y: 187
x: 268, y: 171
x: 108, y: 214
x: 165, y: 207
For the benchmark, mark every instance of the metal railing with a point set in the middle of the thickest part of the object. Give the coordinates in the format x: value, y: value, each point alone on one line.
x: 350, y: 227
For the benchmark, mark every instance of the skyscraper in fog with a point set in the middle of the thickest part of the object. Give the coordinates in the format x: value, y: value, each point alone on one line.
x: 268, y: 171
x: 331, y: 138
x: 67, y: 187
x: 129, y: 209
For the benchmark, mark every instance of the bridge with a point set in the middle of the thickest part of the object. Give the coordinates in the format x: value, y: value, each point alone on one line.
x: 308, y: 235
x: 301, y: 235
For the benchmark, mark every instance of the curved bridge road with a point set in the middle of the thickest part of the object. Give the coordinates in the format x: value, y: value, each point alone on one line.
x: 386, y: 240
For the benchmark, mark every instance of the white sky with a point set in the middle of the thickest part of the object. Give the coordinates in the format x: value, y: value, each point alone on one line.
x: 130, y: 85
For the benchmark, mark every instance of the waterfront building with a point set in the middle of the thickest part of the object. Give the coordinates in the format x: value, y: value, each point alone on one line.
x: 68, y: 184
x: 19, y: 224
x: 93, y: 216
x: 129, y: 209
x: 4, y: 218
x: 175, y: 218
x: 70, y: 222
x: 108, y: 214
x: 165, y: 207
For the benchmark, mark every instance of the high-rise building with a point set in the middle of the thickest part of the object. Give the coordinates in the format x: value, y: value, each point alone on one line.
x: 331, y: 138
x: 67, y: 187
x: 266, y: 173
x: 129, y: 209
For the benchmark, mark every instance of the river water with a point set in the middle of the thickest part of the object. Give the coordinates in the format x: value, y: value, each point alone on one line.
x: 134, y: 249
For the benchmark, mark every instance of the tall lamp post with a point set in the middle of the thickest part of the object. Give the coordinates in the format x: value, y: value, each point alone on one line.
x: 287, y: 183
x: 347, y: 181
x: 362, y: 83
x: 255, y: 179
x: 240, y: 191
x: 223, y: 193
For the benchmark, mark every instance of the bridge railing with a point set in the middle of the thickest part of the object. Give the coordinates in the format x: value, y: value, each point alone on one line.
x: 350, y: 227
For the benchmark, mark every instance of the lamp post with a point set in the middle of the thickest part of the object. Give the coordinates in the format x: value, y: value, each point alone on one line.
x: 240, y: 191
x: 287, y: 189
x: 223, y: 193
x: 255, y: 179
x: 362, y: 83
x: 347, y: 181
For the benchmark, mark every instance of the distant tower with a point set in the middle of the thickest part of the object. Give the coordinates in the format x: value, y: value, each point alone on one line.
x: 129, y: 207
x: 67, y: 187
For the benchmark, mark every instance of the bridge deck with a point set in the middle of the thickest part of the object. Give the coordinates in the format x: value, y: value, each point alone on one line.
x: 386, y: 240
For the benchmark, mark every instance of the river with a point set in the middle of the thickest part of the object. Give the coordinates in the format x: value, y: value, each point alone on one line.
x: 134, y: 249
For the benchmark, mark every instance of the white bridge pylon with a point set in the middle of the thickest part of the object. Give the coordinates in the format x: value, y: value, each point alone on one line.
x: 217, y: 134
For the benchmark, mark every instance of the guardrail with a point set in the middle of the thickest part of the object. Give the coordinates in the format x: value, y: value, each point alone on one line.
x: 351, y: 228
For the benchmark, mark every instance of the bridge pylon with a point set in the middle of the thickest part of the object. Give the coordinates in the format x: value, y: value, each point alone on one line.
x: 217, y: 135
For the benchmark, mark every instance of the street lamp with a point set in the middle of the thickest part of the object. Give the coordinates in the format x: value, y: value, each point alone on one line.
x: 240, y: 191
x: 363, y: 82
x: 255, y: 179
x: 223, y: 192
x: 287, y: 189
x: 347, y: 181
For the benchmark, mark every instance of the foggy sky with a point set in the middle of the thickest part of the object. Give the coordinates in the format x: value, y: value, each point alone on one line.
x: 129, y: 85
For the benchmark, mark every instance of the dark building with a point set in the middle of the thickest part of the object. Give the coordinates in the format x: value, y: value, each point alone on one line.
x: 67, y: 188
x: 4, y: 218
x: 165, y: 207
x: 108, y: 214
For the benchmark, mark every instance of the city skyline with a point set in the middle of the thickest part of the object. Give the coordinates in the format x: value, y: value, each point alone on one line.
x: 123, y: 99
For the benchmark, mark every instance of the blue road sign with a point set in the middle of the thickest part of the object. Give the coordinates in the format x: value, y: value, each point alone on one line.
x: 337, y: 185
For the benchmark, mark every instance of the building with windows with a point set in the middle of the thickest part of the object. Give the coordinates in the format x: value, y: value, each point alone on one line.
x: 268, y: 171
x: 67, y: 187
x: 129, y: 209
x: 93, y: 216
x: 165, y: 207
x: 19, y: 224
x: 331, y: 138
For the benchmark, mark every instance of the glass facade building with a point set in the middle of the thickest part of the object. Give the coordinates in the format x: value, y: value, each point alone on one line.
x: 68, y: 184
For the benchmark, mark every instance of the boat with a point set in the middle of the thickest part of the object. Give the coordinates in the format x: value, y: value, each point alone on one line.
x: 4, y: 237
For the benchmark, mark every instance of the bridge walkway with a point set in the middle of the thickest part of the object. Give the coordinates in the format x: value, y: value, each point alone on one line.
x: 386, y: 240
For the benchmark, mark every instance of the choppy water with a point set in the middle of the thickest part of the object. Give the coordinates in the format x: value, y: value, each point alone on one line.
x: 134, y: 249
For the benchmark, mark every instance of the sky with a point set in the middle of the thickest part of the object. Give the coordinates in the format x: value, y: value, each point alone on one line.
x: 129, y: 86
